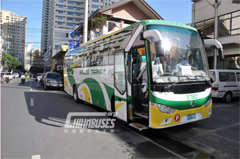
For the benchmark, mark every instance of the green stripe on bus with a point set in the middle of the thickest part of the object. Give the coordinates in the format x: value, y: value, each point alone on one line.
x: 96, y: 92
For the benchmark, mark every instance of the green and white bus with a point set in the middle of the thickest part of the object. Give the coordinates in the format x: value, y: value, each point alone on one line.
x: 103, y: 72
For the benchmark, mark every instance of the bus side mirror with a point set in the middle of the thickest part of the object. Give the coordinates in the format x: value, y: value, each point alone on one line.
x: 155, y: 37
x: 214, y: 44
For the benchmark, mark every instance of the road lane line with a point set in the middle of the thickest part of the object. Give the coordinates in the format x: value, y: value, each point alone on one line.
x: 153, y: 142
x: 36, y: 157
x: 148, y: 139
x: 31, y: 102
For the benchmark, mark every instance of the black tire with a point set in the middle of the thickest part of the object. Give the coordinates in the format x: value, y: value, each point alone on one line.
x: 227, y: 97
x: 75, y: 95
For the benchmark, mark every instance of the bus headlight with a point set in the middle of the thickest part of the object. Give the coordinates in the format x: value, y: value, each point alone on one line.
x: 164, y: 108
x: 208, y: 103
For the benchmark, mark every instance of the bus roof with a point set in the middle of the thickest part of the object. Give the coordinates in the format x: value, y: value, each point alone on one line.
x: 147, y: 22
x: 165, y: 22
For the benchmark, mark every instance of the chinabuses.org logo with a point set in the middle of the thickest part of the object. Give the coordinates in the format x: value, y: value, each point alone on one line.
x: 95, y: 121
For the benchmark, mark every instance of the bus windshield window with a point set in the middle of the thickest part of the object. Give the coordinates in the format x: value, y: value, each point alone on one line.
x: 184, y: 56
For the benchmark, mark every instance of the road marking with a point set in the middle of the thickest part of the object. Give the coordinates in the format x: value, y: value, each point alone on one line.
x: 31, y: 102
x: 219, y: 106
x: 36, y: 157
x: 148, y: 139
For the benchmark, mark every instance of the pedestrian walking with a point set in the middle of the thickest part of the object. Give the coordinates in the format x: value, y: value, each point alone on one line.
x: 39, y: 81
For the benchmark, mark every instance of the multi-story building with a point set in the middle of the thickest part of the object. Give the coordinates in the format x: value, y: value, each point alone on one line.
x: 32, y: 57
x: 59, y: 17
x: 14, y: 28
x: 228, y: 32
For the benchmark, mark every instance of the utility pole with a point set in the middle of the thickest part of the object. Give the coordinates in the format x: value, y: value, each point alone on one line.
x: 215, y: 6
x: 85, y: 34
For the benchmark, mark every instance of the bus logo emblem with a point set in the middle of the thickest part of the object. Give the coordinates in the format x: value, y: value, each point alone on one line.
x: 192, y: 103
x: 177, y: 117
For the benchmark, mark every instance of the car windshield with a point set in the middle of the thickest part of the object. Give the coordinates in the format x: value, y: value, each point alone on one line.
x: 185, y: 58
x: 53, y: 76
x: 8, y: 73
x: 26, y: 75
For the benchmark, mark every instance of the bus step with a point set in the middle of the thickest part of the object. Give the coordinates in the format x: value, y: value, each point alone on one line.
x: 138, y: 126
x: 142, y: 114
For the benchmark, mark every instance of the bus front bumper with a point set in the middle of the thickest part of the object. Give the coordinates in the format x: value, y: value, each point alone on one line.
x: 161, y: 120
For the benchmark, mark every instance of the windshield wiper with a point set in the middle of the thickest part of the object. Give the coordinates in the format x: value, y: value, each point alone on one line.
x: 205, y: 80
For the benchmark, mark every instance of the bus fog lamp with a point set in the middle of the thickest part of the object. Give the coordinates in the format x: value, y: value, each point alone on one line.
x: 208, y: 103
x: 164, y: 108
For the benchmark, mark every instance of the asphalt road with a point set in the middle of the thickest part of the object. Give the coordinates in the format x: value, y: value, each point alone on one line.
x: 32, y: 127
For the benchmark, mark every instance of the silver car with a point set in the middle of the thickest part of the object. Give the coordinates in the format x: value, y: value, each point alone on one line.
x: 52, y: 80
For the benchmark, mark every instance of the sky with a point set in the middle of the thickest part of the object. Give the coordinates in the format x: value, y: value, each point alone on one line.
x: 172, y: 10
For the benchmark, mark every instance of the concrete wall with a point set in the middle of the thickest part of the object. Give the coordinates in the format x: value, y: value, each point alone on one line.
x: 203, y: 10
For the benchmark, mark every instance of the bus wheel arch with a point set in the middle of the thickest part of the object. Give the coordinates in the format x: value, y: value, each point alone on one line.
x: 228, y: 96
x: 75, y: 94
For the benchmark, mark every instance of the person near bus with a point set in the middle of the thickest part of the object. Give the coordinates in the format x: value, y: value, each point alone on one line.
x: 143, y: 74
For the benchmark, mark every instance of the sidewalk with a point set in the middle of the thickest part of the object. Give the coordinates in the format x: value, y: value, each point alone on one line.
x: 217, y: 136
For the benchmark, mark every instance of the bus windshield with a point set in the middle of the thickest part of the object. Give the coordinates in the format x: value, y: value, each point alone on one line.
x: 185, y: 58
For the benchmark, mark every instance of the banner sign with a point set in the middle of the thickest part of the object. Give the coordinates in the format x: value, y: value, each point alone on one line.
x: 74, y: 40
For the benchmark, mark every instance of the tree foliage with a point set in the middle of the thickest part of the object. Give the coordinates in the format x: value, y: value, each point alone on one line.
x: 8, y: 62
x: 97, y: 22
x: 34, y: 69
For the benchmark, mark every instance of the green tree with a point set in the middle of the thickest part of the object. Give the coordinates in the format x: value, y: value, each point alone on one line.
x: 8, y: 62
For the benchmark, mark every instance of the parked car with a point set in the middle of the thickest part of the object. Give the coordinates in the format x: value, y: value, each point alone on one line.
x: 52, y: 80
x: 226, y: 84
x: 16, y: 75
x: 9, y: 75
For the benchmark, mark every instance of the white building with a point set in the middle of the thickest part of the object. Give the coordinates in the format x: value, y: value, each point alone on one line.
x: 14, y: 28
x: 29, y: 56
x: 228, y: 29
x: 59, y: 17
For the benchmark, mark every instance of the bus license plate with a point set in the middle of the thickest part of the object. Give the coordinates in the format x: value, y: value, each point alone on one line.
x: 191, y: 116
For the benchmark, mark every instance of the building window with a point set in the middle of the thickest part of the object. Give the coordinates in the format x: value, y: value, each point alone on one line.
x: 78, y: 14
x: 60, y: 23
x: 70, y: 13
x: 77, y: 19
x: 57, y: 46
x: 60, y: 6
x: 70, y: 7
x: 77, y: 8
x: 95, y: 0
x: 105, y: 4
x: 70, y: 2
x: 93, y: 11
x: 94, y: 6
x: 60, y: 17
x: 78, y: 3
x: 61, y: 1
x: 69, y: 18
x: 69, y: 24
x: 60, y: 12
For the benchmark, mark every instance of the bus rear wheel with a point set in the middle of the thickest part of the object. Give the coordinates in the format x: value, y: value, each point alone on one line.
x: 75, y: 95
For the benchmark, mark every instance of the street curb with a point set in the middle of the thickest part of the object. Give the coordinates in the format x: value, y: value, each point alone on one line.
x: 201, y: 147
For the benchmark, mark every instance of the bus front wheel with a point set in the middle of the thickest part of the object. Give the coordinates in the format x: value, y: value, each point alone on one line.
x: 75, y: 95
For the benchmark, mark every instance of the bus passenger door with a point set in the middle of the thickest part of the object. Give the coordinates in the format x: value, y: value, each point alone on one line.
x: 120, y: 89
